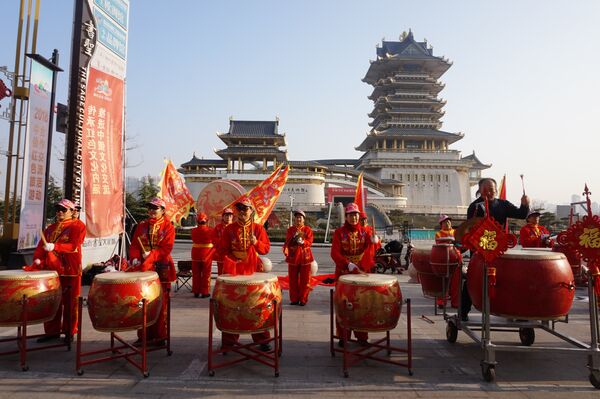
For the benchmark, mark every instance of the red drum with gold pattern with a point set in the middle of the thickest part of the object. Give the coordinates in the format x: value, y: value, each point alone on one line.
x: 115, y: 300
x: 530, y: 284
x: 367, y: 302
x: 571, y: 255
x: 444, y: 259
x: 216, y: 195
x: 42, y: 290
x: 244, y: 304
x: 431, y: 284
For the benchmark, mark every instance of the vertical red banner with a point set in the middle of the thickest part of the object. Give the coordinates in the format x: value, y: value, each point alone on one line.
x: 102, y: 155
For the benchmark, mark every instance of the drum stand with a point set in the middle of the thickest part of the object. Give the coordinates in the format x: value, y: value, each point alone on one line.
x: 526, y: 333
x: 22, y: 336
x: 369, y: 350
x: 247, y: 351
x: 125, y: 349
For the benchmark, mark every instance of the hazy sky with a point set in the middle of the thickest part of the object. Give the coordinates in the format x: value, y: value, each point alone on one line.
x: 523, y: 88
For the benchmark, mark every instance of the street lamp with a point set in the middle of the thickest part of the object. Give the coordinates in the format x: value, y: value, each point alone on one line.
x: 291, y: 210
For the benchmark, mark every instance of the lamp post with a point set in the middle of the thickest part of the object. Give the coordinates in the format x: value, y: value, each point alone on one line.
x: 291, y: 210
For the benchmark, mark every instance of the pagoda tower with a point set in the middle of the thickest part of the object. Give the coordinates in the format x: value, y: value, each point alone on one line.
x: 406, y: 142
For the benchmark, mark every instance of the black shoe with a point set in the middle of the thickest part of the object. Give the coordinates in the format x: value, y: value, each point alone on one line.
x: 196, y: 295
x: 264, y: 347
x: 301, y: 303
x: 294, y: 303
x: 341, y: 343
x: 205, y: 296
x: 47, y: 338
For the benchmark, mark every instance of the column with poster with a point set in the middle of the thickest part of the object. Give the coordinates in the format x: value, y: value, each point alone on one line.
x: 100, y: 175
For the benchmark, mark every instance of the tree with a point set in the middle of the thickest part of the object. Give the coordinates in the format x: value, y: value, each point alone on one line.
x: 53, y: 195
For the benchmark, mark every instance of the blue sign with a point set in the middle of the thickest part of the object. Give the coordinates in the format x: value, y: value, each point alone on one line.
x: 116, y: 9
x: 111, y: 35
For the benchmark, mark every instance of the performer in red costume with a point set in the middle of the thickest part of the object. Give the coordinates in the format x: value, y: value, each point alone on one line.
x: 150, y: 250
x: 202, y: 255
x: 445, y: 235
x: 226, y: 220
x: 299, y: 257
x: 60, y: 250
x: 534, y: 235
x: 240, y: 246
x: 349, y: 245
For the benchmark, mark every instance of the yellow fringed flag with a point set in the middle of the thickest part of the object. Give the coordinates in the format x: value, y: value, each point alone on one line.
x: 175, y: 193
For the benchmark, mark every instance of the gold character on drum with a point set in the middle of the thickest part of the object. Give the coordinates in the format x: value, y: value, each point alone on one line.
x: 150, y: 250
x: 349, y: 245
x: 299, y: 257
x: 240, y: 246
x: 60, y: 250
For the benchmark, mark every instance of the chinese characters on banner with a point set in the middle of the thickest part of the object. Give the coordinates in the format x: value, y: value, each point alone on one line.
x: 34, y: 164
x: 102, y: 154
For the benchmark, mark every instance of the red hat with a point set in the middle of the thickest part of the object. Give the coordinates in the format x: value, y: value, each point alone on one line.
x: 65, y: 203
x: 363, y: 215
x: 299, y: 212
x: 443, y: 218
x: 202, y: 217
x: 352, y: 208
x: 157, y: 202
x: 226, y: 211
x: 244, y: 202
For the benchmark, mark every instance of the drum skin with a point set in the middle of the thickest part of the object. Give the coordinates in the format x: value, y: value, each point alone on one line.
x: 244, y: 304
x: 530, y: 285
x: 367, y: 302
x: 114, y: 300
x: 216, y: 195
x: 43, y: 292
x: 444, y: 259
x: 430, y: 283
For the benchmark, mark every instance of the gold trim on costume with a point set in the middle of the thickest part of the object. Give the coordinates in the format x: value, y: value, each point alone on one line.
x: 202, y: 245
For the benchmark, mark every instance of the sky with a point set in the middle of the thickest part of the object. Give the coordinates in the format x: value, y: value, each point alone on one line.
x: 523, y: 88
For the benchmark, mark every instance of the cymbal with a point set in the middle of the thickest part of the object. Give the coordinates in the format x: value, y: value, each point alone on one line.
x: 465, y: 227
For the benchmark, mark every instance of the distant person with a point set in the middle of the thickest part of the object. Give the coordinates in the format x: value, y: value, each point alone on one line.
x: 299, y: 256
x: 445, y: 235
x: 202, y: 256
x: 226, y: 220
x: 534, y: 235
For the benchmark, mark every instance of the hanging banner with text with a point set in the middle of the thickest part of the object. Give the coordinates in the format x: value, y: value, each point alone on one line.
x: 34, y: 162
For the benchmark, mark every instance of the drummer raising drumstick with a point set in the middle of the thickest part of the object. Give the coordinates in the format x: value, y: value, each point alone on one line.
x: 500, y: 210
x: 240, y: 245
x: 349, y: 245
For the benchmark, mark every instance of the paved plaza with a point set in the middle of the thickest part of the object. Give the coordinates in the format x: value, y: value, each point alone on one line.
x: 441, y: 369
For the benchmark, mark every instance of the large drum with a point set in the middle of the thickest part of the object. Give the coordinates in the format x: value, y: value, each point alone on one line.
x: 42, y: 290
x: 115, y: 300
x: 431, y: 284
x: 367, y: 302
x: 444, y: 259
x: 244, y: 304
x: 571, y: 255
x: 530, y: 284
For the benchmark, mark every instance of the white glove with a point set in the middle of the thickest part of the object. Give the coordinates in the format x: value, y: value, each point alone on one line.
x: 352, y: 267
x: 49, y: 247
x: 314, y: 268
x: 300, y: 240
x: 375, y: 239
x: 146, y: 254
x: 37, y: 261
x: 135, y: 262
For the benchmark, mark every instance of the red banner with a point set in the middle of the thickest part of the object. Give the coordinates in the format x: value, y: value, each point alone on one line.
x: 175, y: 193
x: 360, y: 198
x: 102, y: 155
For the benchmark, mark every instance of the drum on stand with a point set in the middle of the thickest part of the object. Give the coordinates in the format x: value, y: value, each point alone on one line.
x: 444, y: 259
x: 367, y: 302
x: 43, y: 292
x: 530, y: 284
x: 431, y: 284
x: 244, y: 303
x: 114, y: 300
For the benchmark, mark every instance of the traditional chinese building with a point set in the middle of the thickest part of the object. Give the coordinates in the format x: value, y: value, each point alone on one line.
x: 406, y: 142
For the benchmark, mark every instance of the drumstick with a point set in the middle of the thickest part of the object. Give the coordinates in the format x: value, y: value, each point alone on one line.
x: 43, y: 237
x: 141, y: 245
x: 523, y: 184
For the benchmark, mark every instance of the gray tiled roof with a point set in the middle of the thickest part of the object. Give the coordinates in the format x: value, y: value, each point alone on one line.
x: 253, y: 128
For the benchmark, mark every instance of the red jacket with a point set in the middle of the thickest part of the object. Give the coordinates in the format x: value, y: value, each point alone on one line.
x: 349, y: 244
x: 203, y: 246
x: 157, y: 237
x: 67, y: 237
x: 239, y: 255
x: 298, y: 254
x: 531, y: 236
x: 218, y: 233
x: 443, y: 234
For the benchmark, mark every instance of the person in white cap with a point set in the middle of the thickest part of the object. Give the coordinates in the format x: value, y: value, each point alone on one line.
x: 534, y: 235
x: 445, y: 235
x: 60, y: 250
x: 299, y: 257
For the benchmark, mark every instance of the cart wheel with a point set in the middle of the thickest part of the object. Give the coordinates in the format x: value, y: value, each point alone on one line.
x: 146, y: 374
x: 211, y: 373
x: 451, y: 332
x: 379, y: 268
x: 489, y: 373
x: 80, y: 372
x: 527, y: 336
x: 595, y: 380
x: 25, y: 368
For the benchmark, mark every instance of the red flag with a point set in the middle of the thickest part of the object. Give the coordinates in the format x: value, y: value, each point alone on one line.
x: 265, y: 195
x: 359, y: 194
x: 175, y: 193
x: 502, y: 194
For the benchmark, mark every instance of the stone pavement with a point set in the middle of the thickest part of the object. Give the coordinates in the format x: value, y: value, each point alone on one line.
x: 441, y: 369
